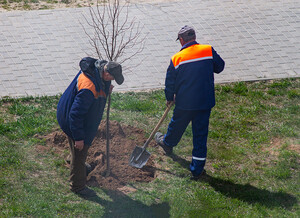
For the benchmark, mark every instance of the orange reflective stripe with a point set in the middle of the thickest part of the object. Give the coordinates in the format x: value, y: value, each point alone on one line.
x: 83, y: 82
x: 192, y: 53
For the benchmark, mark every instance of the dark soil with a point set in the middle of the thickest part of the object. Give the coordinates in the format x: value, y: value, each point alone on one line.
x: 122, y: 142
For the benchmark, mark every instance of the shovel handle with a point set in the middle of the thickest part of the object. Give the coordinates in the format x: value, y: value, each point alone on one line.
x: 158, y: 125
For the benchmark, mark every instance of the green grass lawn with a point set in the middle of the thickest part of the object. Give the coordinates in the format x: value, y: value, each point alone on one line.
x: 252, y: 165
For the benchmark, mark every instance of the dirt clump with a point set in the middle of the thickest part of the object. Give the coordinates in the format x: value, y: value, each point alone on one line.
x: 122, y: 142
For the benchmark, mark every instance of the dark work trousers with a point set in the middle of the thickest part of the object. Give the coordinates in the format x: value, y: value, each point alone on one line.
x: 77, y: 167
x: 200, y: 123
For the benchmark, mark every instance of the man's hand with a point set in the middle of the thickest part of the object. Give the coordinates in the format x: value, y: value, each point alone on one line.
x: 79, y: 145
x: 169, y: 103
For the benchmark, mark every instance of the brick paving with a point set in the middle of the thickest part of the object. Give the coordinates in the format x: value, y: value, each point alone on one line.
x: 259, y: 40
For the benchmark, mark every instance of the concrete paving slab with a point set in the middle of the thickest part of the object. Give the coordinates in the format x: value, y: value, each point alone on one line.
x: 40, y: 50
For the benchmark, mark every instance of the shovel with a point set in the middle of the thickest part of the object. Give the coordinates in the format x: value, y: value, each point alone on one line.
x: 140, y: 155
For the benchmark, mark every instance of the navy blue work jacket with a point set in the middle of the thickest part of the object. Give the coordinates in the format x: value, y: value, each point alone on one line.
x: 81, y: 106
x: 190, y: 77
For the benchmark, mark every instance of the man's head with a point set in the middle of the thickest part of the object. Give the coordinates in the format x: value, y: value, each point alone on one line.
x: 186, y: 34
x: 115, y: 72
x: 108, y: 70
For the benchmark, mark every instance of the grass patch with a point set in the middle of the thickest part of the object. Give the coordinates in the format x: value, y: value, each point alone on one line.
x: 253, y: 158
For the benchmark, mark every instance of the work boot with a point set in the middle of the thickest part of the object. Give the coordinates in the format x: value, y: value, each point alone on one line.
x: 200, y: 176
x: 159, y: 138
x: 86, y: 193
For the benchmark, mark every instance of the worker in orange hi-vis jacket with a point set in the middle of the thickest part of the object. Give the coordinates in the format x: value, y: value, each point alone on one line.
x: 80, y: 110
x: 189, y: 84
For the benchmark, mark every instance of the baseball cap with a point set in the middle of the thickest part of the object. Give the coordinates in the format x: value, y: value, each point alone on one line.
x: 115, y: 70
x: 187, y: 33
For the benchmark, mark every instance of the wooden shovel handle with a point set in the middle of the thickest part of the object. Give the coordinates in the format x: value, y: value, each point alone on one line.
x: 158, y: 125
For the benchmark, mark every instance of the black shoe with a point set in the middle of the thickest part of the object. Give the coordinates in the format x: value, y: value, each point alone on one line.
x: 159, y: 138
x: 86, y: 193
x: 200, y: 176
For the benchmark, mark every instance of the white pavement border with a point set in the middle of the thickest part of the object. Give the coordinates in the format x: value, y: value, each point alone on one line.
x: 40, y: 50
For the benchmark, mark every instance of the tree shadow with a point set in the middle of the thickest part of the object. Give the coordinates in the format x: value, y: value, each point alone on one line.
x: 122, y: 205
x: 244, y: 192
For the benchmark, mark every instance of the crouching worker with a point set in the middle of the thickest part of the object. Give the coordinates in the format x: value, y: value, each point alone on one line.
x: 79, y: 113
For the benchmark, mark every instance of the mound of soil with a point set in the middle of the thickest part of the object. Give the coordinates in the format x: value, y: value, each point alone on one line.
x: 122, y: 142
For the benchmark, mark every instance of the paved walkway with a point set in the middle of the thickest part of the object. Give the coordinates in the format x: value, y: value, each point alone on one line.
x: 40, y: 50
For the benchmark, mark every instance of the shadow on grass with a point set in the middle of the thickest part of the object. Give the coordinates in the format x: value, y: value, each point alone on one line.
x: 247, y: 192
x: 123, y: 206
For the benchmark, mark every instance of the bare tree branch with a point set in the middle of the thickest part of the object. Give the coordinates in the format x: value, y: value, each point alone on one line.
x: 115, y: 34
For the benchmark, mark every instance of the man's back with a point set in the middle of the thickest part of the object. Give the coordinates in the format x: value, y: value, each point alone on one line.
x: 193, y: 76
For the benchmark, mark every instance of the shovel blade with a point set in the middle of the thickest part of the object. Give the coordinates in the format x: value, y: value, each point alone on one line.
x: 139, y: 157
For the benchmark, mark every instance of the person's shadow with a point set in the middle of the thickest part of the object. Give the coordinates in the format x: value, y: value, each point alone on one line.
x: 247, y: 192
x: 121, y: 205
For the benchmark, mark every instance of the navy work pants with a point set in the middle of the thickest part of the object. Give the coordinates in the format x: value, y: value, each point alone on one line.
x: 200, y: 123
